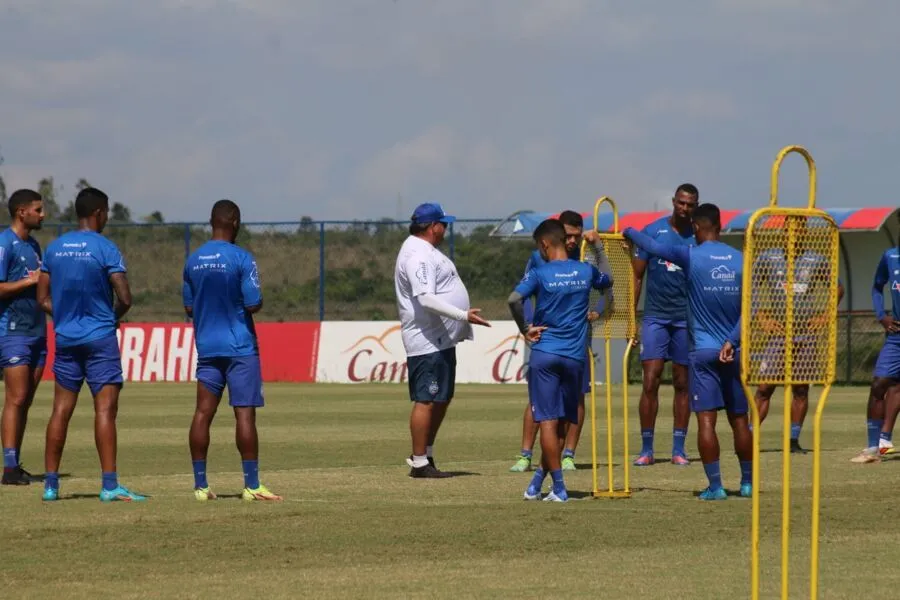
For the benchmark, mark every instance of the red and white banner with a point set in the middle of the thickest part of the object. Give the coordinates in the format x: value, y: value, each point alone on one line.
x: 166, y: 351
x: 372, y: 351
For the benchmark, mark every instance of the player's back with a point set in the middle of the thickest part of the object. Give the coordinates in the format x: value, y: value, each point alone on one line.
x: 220, y: 282
x: 714, y: 293
x: 80, y: 264
x: 563, y: 291
x: 20, y: 315
x: 665, y: 296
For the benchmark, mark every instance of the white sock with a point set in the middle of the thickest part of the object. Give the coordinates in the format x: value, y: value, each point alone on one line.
x: 419, y: 461
x: 429, y: 451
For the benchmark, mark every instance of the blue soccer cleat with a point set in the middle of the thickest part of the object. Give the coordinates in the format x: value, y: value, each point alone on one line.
x: 533, y: 492
x: 50, y: 494
x: 711, y: 494
x: 746, y: 490
x: 120, y: 494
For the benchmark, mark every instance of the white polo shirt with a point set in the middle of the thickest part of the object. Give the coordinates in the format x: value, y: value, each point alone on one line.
x: 423, y: 269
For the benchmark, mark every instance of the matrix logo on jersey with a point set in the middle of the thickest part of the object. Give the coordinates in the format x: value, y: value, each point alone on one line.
x: 670, y: 266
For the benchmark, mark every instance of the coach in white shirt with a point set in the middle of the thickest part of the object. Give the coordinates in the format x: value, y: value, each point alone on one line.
x: 434, y: 317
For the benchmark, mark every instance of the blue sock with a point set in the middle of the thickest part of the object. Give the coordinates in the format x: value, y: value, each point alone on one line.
x: 874, y: 430
x: 646, y: 441
x: 200, y: 474
x: 527, y: 453
x: 10, y: 458
x: 558, y: 484
x: 746, y: 471
x: 795, y: 431
x: 887, y: 435
x: 537, y: 481
x: 713, y: 474
x: 568, y: 452
x: 110, y: 481
x: 51, y: 481
x: 251, y: 473
x: 678, y: 437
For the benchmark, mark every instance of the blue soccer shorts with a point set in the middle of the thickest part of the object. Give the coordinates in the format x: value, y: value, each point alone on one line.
x: 242, y: 375
x: 555, y: 385
x: 19, y: 350
x: 432, y: 377
x: 586, y: 379
x: 888, y: 364
x: 714, y: 385
x: 663, y: 339
x: 98, y: 362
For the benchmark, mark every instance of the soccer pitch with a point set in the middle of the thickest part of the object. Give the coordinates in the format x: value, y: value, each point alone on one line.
x: 354, y: 525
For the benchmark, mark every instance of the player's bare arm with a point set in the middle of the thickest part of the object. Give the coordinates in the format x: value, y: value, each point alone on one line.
x: 9, y: 289
x: 532, y: 333
x: 43, y: 293
x: 639, y: 266
x: 255, y: 308
x: 119, y: 283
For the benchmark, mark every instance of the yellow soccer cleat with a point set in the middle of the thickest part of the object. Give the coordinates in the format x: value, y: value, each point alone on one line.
x: 261, y: 493
x: 204, y: 494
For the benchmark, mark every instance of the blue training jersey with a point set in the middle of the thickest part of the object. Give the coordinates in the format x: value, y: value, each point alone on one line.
x: 887, y: 272
x: 714, y: 274
x: 220, y: 282
x: 665, y: 295
x: 80, y: 264
x: 20, y: 315
x: 563, y: 290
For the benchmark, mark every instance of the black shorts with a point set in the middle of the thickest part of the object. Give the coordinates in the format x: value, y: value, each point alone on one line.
x: 432, y: 377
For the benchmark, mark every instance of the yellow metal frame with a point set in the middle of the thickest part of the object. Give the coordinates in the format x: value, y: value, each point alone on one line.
x: 826, y: 379
x: 611, y: 492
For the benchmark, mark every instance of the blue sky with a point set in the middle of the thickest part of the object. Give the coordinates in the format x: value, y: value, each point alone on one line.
x: 334, y: 108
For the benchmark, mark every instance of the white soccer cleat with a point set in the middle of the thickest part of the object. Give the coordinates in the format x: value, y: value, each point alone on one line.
x: 869, y: 455
x: 885, y: 447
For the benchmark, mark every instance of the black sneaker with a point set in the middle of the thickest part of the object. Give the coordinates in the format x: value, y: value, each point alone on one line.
x: 29, y: 476
x: 428, y: 472
x: 14, y: 477
x: 431, y: 462
x: 796, y: 449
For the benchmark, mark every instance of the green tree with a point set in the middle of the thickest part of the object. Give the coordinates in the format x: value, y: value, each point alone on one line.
x: 119, y: 213
x: 48, y: 191
x: 155, y: 217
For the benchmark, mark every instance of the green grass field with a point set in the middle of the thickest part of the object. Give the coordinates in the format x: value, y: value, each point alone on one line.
x: 353, y: 524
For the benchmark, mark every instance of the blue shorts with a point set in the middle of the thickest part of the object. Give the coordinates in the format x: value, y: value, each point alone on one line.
x: 98, y: 362
x: 888, y: 364
x: 586, y: 380
x: 664, y: 340
x: 242, y: 375
x: 554, y: 386
x: 18, y: 350
x: 714, y: 385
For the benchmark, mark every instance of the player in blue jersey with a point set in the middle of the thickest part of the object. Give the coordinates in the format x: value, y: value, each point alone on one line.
x: 221, y: 294
x: 558, y: 332
x: 812, y: 272
x: 574, y: 227
x: 81, y: 274
x: 664, y: 334
x: 887, y: 368
x: 23, y: 327
x: 714, y: 273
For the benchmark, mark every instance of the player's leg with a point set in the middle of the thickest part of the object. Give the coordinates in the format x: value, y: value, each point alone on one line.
x: 245, y: 394
x: 574, y: 429
x: 424, y: 390
x: 103, y: 373
x: 885, y: 375
x: 706, y: 400
x: 529, y: 429
x: 799, y: 408
x: 891, y: 410
x: 679, y: 345
x: 654, y: 353
x: 763, y: 399
x: 445, y: 376
x: 68, y: 371
x: 38, y: 347
x: 210, y: 386
x: 546, y: 397
x: 737, y: 408
x: 17, y: 381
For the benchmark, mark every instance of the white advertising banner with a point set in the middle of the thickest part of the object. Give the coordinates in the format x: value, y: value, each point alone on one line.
x: 372, y: 351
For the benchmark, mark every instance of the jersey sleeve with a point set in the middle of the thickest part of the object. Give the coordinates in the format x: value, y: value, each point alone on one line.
x: 680, y: 254
x: 187, y: 292
x: 599, y: 279
x: 529, y: 285
x: 421, y: 275
x: 6, y: 257
x: 639, y: 252
x: 113, y: 262
x: 882, y: 276
x: 250, y: 287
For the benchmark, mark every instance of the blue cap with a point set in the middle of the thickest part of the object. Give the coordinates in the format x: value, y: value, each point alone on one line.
x: 430, y: 213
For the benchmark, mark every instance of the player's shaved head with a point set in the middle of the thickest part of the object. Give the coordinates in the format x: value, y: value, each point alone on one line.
x: 708, y: 216
x: 552, y: 232
x: 89, y: 201
x: 225, y: 214
x: 22, y: 199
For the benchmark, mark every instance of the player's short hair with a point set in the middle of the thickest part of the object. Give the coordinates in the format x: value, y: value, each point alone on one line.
x: 708, y: 213
x: 571, y: 218
x: 21, y: 198
x: 224, y: 213
x: 688, y: 188
x: 551, y: 230
x: 90, y: 200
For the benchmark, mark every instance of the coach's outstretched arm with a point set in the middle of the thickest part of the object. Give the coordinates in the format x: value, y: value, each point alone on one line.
x: 680, y: 255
